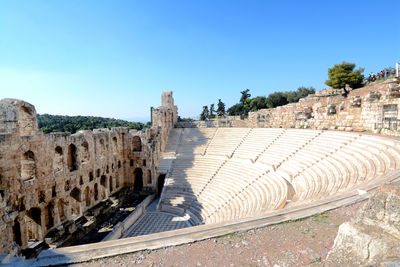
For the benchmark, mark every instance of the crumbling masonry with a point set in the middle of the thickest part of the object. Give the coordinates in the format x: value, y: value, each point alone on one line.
x: 48, y: 180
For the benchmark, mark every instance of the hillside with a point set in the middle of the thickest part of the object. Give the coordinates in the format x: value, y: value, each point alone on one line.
x: 58, y: 123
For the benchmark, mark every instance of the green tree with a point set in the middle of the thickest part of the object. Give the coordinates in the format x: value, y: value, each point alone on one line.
x: 235, y: 110
x: 342, y: 74
x: 204, y: 114
x: 220, y: 108
x: 258, y: 102
x: 276, y: 99
x: 212, y: 111
x: 301, y: 92
x: 245, y: 96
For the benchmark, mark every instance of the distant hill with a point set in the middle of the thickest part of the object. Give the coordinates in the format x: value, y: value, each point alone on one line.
x: 58, y: 123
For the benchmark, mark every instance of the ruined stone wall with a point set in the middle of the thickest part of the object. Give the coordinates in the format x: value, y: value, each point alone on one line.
x: 48, y: 179
x: 373, y: 108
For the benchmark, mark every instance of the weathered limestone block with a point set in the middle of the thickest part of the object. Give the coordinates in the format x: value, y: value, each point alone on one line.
x: 331, y: 109
x: 383, y: 210
x: 355, y: 101
x: 374, y: 235
x: 372, y: 96
x: 393, y: 90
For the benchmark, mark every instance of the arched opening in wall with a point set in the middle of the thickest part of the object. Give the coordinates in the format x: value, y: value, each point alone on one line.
x: 58, y: 160
x: 148, y: 176
x: 17, y: 232
x: 87, y: 196
x: 103, y: 183
x: 138, y: 178
x: 160, y: 183
x: 33, y: 224
x: 85, y: 156
x: 28, y: 166
x: 136, y: 144
x: 117, y: 181
x: 49, y: 219
x: 110, y: 183
x: 27, y: 121
x: 61, y: 209
x: 75, y: 201
x: 115, y: 145
x: 102, y: 148
x: 72, y: 158
x: 96, y: 192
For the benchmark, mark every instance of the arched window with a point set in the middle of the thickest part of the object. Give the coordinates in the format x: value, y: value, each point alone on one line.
x: 61, y: 209
x: 85, y: 151
x: 49, y: 218
x: 58, y: 160
x: 110, y: 183
x: 72, y: 158
x: 96, y: 192
x: 136, y: 144
x: 87, y: 196
x: 28, y: 166
x: 102, y: 148
x: 103, y: 183
x: 115, y: 145
x: 33, y: 224
x: 138, y: 178
x: 75, y: 201
x: 148, y: 176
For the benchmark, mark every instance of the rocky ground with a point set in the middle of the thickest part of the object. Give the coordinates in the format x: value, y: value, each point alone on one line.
x: 295, y: 243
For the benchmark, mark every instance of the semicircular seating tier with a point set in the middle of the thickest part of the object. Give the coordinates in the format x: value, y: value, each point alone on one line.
x: 222, y: 174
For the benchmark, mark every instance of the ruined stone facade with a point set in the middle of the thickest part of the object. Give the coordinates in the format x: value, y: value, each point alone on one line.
x: 373, y: 108
x: 49, y: 179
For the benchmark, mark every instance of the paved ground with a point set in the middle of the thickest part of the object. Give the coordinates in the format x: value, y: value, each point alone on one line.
x: 155, y: 222
x: 297, y: 243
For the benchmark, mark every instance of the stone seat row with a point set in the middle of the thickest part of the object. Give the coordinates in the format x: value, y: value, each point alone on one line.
x: 214, y: 188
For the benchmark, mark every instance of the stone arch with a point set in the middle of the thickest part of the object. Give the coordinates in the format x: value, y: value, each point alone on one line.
x: 72, y: 158
x: 61, y: 209
x: 115, y: 145
x: 49, y: 215
x: 110, y: 184
x: 28, y: 166
x: 58, y: 160
x: 102, y: 148
x: 17, y: 232
x: 87, y: 196
x: 96, y: 191
x: 103, y: 183
x: 136, y: 144
x: 85, y: 156
x: 138, y: 179
x: 75, y: 201
x: 148, y: 176
x: 33, y: 224
x: 117, y: 181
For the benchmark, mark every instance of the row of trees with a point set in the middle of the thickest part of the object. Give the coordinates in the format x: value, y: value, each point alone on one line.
x: 340, y: 76
x: 247, y: 104
x: 57, y: 123
x: 211, y: 113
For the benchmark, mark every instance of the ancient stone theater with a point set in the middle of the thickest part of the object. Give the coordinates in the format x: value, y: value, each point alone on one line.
x: 200, y: 179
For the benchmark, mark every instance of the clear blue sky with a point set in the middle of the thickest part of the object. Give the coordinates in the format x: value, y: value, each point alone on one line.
x: 114, y: 58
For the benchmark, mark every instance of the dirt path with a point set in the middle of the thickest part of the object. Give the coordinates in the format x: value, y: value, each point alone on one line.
x: 296, y: 243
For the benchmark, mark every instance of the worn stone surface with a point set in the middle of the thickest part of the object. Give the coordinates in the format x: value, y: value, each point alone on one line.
x: 372, y: 237
x: 49, y: 179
